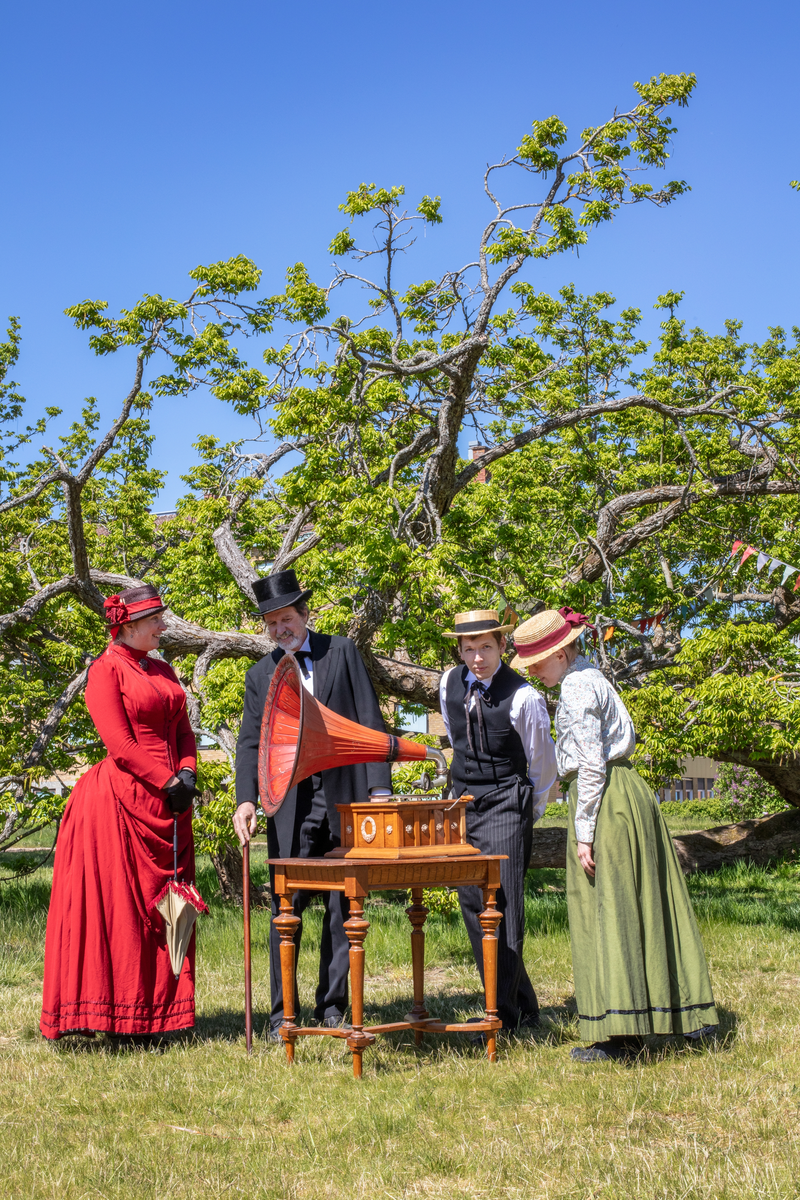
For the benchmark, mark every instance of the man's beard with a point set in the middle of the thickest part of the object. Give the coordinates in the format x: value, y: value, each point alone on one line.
x: 290, y: 642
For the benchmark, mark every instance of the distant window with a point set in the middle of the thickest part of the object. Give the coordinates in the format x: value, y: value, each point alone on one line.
x: 687, y: 789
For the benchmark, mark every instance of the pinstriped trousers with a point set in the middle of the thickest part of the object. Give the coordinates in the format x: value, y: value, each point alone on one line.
x: 501, y: 822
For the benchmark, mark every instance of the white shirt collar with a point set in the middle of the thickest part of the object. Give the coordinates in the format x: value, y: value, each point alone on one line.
x: 472, y: 678
x: 306, y: 646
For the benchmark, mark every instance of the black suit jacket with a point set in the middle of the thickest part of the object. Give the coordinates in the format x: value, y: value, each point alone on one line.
x: 342, y: 684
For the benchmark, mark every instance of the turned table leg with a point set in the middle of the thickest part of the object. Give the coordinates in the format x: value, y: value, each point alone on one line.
x: 356, y: 929
x: 490, y: 919
x: 286, y: 923
x: 417, y: 914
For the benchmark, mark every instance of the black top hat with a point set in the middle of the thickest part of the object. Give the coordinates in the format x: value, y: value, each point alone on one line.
x: 278, y: 591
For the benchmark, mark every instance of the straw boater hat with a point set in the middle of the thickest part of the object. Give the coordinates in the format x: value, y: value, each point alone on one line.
x: 548, y: 631
x: 480, y: 620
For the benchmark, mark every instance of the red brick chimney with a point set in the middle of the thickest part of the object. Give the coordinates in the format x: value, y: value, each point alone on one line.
x: 476, y: 450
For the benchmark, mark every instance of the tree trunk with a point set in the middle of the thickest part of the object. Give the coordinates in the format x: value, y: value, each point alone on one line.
x: 228, y: 866
x: 759, y: 842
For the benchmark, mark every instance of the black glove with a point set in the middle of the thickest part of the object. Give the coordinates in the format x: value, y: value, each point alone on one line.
x: 181, y: 794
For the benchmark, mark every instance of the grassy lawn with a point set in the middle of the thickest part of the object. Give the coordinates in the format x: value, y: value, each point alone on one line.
x: 197, y: 1119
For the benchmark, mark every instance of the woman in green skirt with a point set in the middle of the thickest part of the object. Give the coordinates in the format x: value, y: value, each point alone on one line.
x: 637, y: 958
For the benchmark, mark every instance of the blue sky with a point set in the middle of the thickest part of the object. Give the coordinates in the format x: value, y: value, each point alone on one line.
x: 142, y: 140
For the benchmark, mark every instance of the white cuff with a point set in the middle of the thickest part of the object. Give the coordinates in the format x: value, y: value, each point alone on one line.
x: 584, y: 831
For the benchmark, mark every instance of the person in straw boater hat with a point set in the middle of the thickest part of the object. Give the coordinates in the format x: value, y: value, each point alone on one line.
x: 503, y: 755
x: 637, y: 958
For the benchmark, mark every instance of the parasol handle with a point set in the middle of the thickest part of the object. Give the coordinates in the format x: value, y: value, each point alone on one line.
x: 248, y: 986
x: 175, y: 846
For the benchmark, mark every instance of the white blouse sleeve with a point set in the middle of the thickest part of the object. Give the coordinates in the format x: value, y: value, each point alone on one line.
x: 529, y: 718
x: 582, y: 713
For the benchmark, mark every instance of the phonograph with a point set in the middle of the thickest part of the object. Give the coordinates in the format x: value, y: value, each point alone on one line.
x: 397, y: 842
x: 300, y: 737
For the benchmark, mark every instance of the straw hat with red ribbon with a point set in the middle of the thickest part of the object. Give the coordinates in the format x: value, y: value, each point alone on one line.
x: 548, y: 631
x: 132, y: 605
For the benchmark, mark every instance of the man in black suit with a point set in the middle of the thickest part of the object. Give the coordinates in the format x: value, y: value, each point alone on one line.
x: 307, y: 823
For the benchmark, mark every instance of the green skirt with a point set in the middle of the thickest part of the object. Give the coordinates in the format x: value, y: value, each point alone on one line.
x: 637, y: 958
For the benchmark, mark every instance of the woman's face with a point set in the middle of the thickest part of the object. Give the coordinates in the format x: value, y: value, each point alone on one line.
x: 551, y: 670
x: 144, y: 634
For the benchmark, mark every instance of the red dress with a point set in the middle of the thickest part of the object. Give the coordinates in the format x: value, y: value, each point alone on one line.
x: 106, y: 962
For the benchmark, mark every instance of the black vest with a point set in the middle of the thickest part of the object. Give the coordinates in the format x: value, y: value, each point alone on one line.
x: 502, y: 759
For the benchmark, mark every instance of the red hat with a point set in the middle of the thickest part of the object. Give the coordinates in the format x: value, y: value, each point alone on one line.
x: 132, y: 605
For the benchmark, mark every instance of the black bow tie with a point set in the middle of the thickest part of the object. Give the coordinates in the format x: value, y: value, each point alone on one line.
x: 303, y: 656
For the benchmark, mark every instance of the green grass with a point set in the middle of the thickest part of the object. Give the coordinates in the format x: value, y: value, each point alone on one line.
x: 197, y: 1119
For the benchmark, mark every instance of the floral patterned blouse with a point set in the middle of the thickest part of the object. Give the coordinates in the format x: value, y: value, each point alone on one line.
x: 593, y: 727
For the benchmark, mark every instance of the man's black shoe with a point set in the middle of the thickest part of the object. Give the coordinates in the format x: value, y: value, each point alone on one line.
x: 335, y: 1023
x: 274, y: 1035
x: 529, y: 1021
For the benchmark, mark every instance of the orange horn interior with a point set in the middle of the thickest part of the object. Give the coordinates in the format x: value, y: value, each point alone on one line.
x: 301, y: 737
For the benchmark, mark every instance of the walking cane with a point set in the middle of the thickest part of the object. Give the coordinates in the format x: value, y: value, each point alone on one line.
x: 248, y: 986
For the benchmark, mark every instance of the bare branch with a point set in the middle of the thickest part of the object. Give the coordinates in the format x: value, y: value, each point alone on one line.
x: 289, y: 553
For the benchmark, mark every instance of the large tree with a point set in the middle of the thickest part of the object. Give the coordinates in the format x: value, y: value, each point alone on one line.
x: 618, y: 474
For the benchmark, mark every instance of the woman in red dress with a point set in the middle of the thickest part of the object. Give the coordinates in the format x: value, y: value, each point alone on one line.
x: 106, y: 963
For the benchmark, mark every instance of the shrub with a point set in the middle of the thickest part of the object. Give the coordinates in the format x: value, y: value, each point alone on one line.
x: 746, y: 793
x: 701, y: 810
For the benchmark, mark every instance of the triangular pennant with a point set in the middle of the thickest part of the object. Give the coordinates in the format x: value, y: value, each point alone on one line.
x: 734, y: 548
x: 608, y: 634
x: 797, y: 585
x: 761, y: 561
x: 776, y: 562
x: 750, y: 550
x: 786, y: 573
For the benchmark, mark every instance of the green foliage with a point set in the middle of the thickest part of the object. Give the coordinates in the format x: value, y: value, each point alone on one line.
x: 352, y: 408
x: 753, y: 703
x: 704, y: 812
x: 441, y: 900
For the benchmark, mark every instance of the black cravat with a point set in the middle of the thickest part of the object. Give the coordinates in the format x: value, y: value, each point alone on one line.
x: 302, y: 656
x: 476, y: 688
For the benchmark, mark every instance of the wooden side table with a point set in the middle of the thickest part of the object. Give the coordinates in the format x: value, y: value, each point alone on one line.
x: 357, y: 878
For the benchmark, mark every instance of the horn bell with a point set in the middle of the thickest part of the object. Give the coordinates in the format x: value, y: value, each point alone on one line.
x: 301, y: 737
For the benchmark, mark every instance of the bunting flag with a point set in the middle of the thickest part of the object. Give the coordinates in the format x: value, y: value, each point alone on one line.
x: 750, y: 550
x: 707, y: 593
x: 764, y: 557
